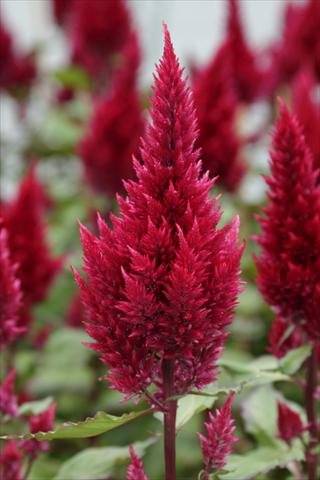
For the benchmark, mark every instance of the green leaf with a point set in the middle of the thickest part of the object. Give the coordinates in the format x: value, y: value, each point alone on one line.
x: 73, y: 77
x: 294, y: 359
x: 264, y: 459
x: 102, y: 422
x: 97, y: 462
x: 36, y: 407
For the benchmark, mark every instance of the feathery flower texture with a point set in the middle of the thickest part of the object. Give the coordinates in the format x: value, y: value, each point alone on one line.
x: 217, y: 445
x: 290, y: 425
x: 135, y: 469
x: 289, y: 263
x: 163, y: 282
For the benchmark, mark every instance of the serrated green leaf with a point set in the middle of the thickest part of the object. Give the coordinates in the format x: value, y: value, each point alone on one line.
x: 97, y: 462
x: 294, y: 359
x: 262, y: 460
x: 36, y: 407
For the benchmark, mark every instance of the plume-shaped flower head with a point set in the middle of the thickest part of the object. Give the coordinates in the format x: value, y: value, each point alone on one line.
x: 283, y: 337
x: 289, y: 263
x: 8, y: 400
x: 10, y: 294
x: 218, y: 443
x: 290, y: 425
x: 11, y: 462
x: 162, y: 283
x: 115, y: 128
x: 39, y: 423
x: 135, y: 469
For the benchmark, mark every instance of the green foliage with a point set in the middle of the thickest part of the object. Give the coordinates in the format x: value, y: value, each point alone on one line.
x: 36, y: 407
x: 73, y: 77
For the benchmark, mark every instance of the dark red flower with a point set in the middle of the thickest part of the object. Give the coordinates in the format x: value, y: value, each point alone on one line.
x: 99, y: 30
x: 39, y: 423
x: 75, y: 314
x: 10, y: 294
x: 61, y: 10
x: 283, y: 337
x: 163, y: 282
x: 8, y: 400
x: 135, y: 469
x: 306, y: 105
x: 114, y: 129
x: 218, y: 443
x: 290, y: 425
x: 289, y: 263
x: 24, y: 221
x: 216, y: 106
x: 246, y: 74
x: 11, y: 462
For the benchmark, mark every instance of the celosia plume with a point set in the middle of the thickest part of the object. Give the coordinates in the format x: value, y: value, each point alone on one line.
x: 290, y: 425
x: 306, y: 105
x: 216, y: 106
x: 75, y: 314
x: 114, y: 129
x: 8, y: 400
x: 218, y: 443
x: 10, y: 294
x: 11, y: 462
x: 24, y: 222
x: 289, y: 263
x: 245, y: 71
x: 62, y: 10
x: 135, y: 469
x: 39, y: 423
x: 163, y: 282
x: 283, y: 337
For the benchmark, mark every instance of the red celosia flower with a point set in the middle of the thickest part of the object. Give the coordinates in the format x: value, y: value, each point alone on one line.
x: 11, y: 462
x: 216, y: 106
x: 218, y: 443
x: 299, y: 47
x: 10, y: 295
x: 24, y: 221
x: 115, y: 129
x: 163, y: 282
x: 306, y: 105
x: 289, y: 264
x: 17, y: 70
x: 62, y: 10
x: 282, y: 339
x: 290, y: 424
x: 75, y: 315
x: 135, y: 469
x: 8, y: 400
x: 99, y: 30
x: 39, y: 423
x: 246, y: 74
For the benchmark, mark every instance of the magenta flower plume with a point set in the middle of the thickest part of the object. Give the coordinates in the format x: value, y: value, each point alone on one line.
x: 135, y: 469
x: 246, y: 73
x: 11, y: 462
x: 10, y: 295
x: 114, y: 129
x: 163, y: 282
x: 24, y: 221
x: 216, y: 106
x: 290, y: 425
x: 289, y: 263
x: 282, y: 339
x: 8, y: 400
x: 62, y: 9
x: 306, y: 105
x: 39, y: 423
x: 99, y: 29
x: 218, y: 443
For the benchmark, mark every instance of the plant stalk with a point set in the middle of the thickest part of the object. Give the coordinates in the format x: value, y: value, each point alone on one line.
x: 311, y: 386
x: 169, y: 420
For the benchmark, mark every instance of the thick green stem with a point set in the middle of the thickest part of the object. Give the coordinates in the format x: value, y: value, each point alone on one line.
x: 311, y: 385
x: 169, y: 420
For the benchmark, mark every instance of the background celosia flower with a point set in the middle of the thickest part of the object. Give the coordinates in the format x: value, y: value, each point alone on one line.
x: 61, y: 10
x: 8, y: 400
x: 115, y: 128
x: 163, y: 282
x: 25, y: 223
x: 98, y: 30
x: 289, y: 263
x: 11, y: 462
x: 75, y: 315
x: 216, y: 106
x: 10, y: 294
x: 290, y: 425
x: 245, y: 72
x: 282, y: 338
x: 306, y: 105
x: 218, y: 443
x: 39, y: 423
x: 135, y: 469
